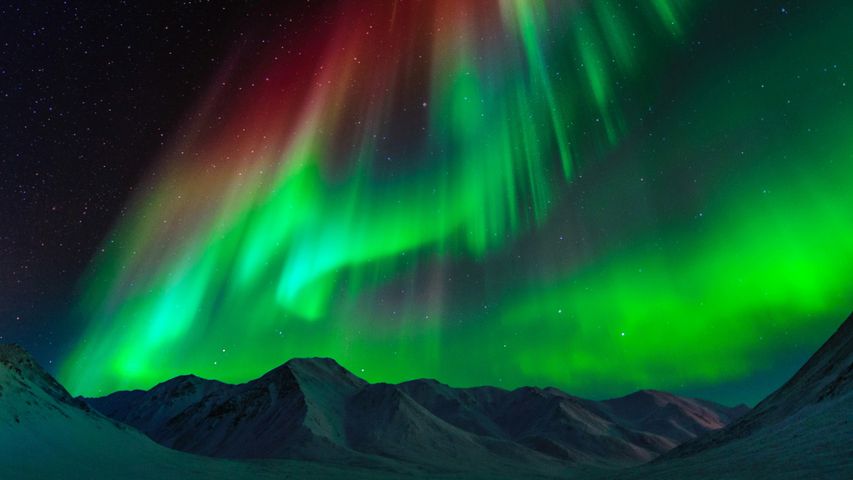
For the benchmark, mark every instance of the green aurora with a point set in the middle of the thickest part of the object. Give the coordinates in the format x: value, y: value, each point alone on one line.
x: 600, y: 196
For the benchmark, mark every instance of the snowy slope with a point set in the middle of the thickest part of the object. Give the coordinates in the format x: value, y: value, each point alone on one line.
x: 824, y: 380
x: 384, y: 420
x: 46, y: 434
x: 158, y: 405
x: 295, y: 410
x: 622, y: 431
x: 802, y: 430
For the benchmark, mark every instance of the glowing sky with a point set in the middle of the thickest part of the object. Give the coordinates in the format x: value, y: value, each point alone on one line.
x: 569, y: 193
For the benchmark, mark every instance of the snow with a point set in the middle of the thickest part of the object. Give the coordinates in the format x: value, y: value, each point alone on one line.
x: 315, y: 409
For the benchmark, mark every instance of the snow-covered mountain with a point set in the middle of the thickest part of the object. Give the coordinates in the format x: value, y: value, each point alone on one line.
x: 315, y: 409
x: 46, y: 434
x: 573, y: 429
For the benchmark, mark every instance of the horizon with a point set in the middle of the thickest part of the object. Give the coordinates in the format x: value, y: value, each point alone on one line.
x: 421, y: 379
x: 459, y: 387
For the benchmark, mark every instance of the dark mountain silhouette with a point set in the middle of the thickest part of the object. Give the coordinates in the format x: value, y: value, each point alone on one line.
x: 45, y: 433
x: 315, y: 409
x: 671, y: 416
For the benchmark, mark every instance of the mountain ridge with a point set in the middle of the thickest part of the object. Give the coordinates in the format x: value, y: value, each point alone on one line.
x: 45, y: 433
x: 423, y: 428
x: 317, y: 409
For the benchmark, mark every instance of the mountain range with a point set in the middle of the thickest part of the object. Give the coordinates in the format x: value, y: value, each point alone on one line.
x: 313, y: 408
x: 311, y: 418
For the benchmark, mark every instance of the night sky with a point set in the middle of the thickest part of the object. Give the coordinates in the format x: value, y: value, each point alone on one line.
x: 91, y: 92
x: 600, y: 196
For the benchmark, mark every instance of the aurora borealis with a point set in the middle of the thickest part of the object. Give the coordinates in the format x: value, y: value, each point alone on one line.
x: 571, y: 193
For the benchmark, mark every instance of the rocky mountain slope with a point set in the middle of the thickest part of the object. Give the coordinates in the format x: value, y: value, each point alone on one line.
x: 47, y: 434
x: 315, y: 409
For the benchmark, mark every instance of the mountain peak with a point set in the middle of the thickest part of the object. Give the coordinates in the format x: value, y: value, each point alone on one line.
x: 313, y: 362
x: 648, y: 392
x: 181, y: 379
x: 183, y: 385
x: 18, y: 362
x: 20, y: 371
x: 188, y: 379
x: 313, y: 370
x: 14, y: 354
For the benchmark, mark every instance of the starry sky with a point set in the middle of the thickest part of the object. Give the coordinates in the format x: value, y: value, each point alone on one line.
x: 599, y: 196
